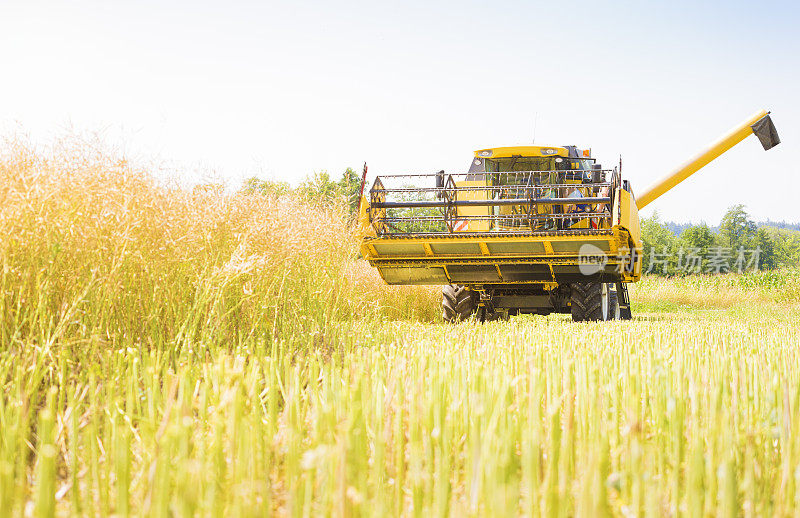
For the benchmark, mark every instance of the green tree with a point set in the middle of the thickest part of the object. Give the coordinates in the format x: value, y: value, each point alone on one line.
x: 320, y: 186
x: 349, y: 186
x: 767, y: 258
x: 698, y: 237
x: 737, y: 230
x: 787, y: 246
x: 266, y: 187
x: 660, y: 247
x: 695, y: 243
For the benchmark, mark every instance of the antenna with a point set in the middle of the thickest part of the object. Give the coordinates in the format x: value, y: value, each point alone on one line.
x: 535, y: 120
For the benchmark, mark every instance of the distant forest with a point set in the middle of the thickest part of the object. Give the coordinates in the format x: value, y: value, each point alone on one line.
x: 737, y: 244
x: 677, y: 228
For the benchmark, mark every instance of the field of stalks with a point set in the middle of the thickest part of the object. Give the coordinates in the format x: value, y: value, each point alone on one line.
x: 166, y: 352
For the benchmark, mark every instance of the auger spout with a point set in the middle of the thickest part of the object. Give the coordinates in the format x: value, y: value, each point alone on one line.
x: 759, y: 124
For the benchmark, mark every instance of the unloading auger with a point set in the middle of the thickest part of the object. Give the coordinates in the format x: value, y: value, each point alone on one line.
x: 527, y: 229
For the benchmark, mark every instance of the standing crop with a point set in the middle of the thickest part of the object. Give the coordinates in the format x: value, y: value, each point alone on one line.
x: 164, y: 352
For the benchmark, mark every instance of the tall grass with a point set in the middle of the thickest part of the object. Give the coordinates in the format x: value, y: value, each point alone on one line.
x: 780, y: 287
x: 165, y: 352
x: 93, y: 249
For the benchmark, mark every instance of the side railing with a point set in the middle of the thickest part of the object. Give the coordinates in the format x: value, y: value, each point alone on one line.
x: 507, y: 202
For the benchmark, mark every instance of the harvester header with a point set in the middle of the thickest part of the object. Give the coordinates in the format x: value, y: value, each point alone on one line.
x: 526, y: 229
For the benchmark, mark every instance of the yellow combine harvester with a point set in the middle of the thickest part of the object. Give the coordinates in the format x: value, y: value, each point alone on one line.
x: 527, y: 229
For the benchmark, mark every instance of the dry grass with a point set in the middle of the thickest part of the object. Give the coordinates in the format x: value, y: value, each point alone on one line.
x: 97, y: 245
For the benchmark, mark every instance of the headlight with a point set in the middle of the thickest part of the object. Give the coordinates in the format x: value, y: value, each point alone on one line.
x: 486, y: 152
x: 548, y: 151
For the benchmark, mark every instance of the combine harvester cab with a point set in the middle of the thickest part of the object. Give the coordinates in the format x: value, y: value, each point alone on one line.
x: 527, y: 229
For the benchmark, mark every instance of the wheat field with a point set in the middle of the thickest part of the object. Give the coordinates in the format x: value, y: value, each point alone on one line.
x: 166, y: 352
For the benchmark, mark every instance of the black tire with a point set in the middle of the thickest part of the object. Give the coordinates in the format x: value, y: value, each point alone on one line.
x: 458, y: 303
x: 592, y: 302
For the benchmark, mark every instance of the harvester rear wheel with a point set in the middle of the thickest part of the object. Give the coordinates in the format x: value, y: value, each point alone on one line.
x: 458, y: 303
x: 593, y: 301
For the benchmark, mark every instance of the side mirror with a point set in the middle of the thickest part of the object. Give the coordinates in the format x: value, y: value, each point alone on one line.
x: 440, y: 180
x: 439, y: 183
x: 597, y: 173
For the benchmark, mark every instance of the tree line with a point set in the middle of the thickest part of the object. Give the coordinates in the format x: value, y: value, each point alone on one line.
x: 319, y: 186
x: 738, y: 244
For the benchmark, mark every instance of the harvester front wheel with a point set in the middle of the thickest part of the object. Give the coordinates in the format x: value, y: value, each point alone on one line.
x: 458, y: 303
x: 593, y: 301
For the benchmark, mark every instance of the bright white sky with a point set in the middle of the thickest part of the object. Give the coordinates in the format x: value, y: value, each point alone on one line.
x: 280, y: 90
